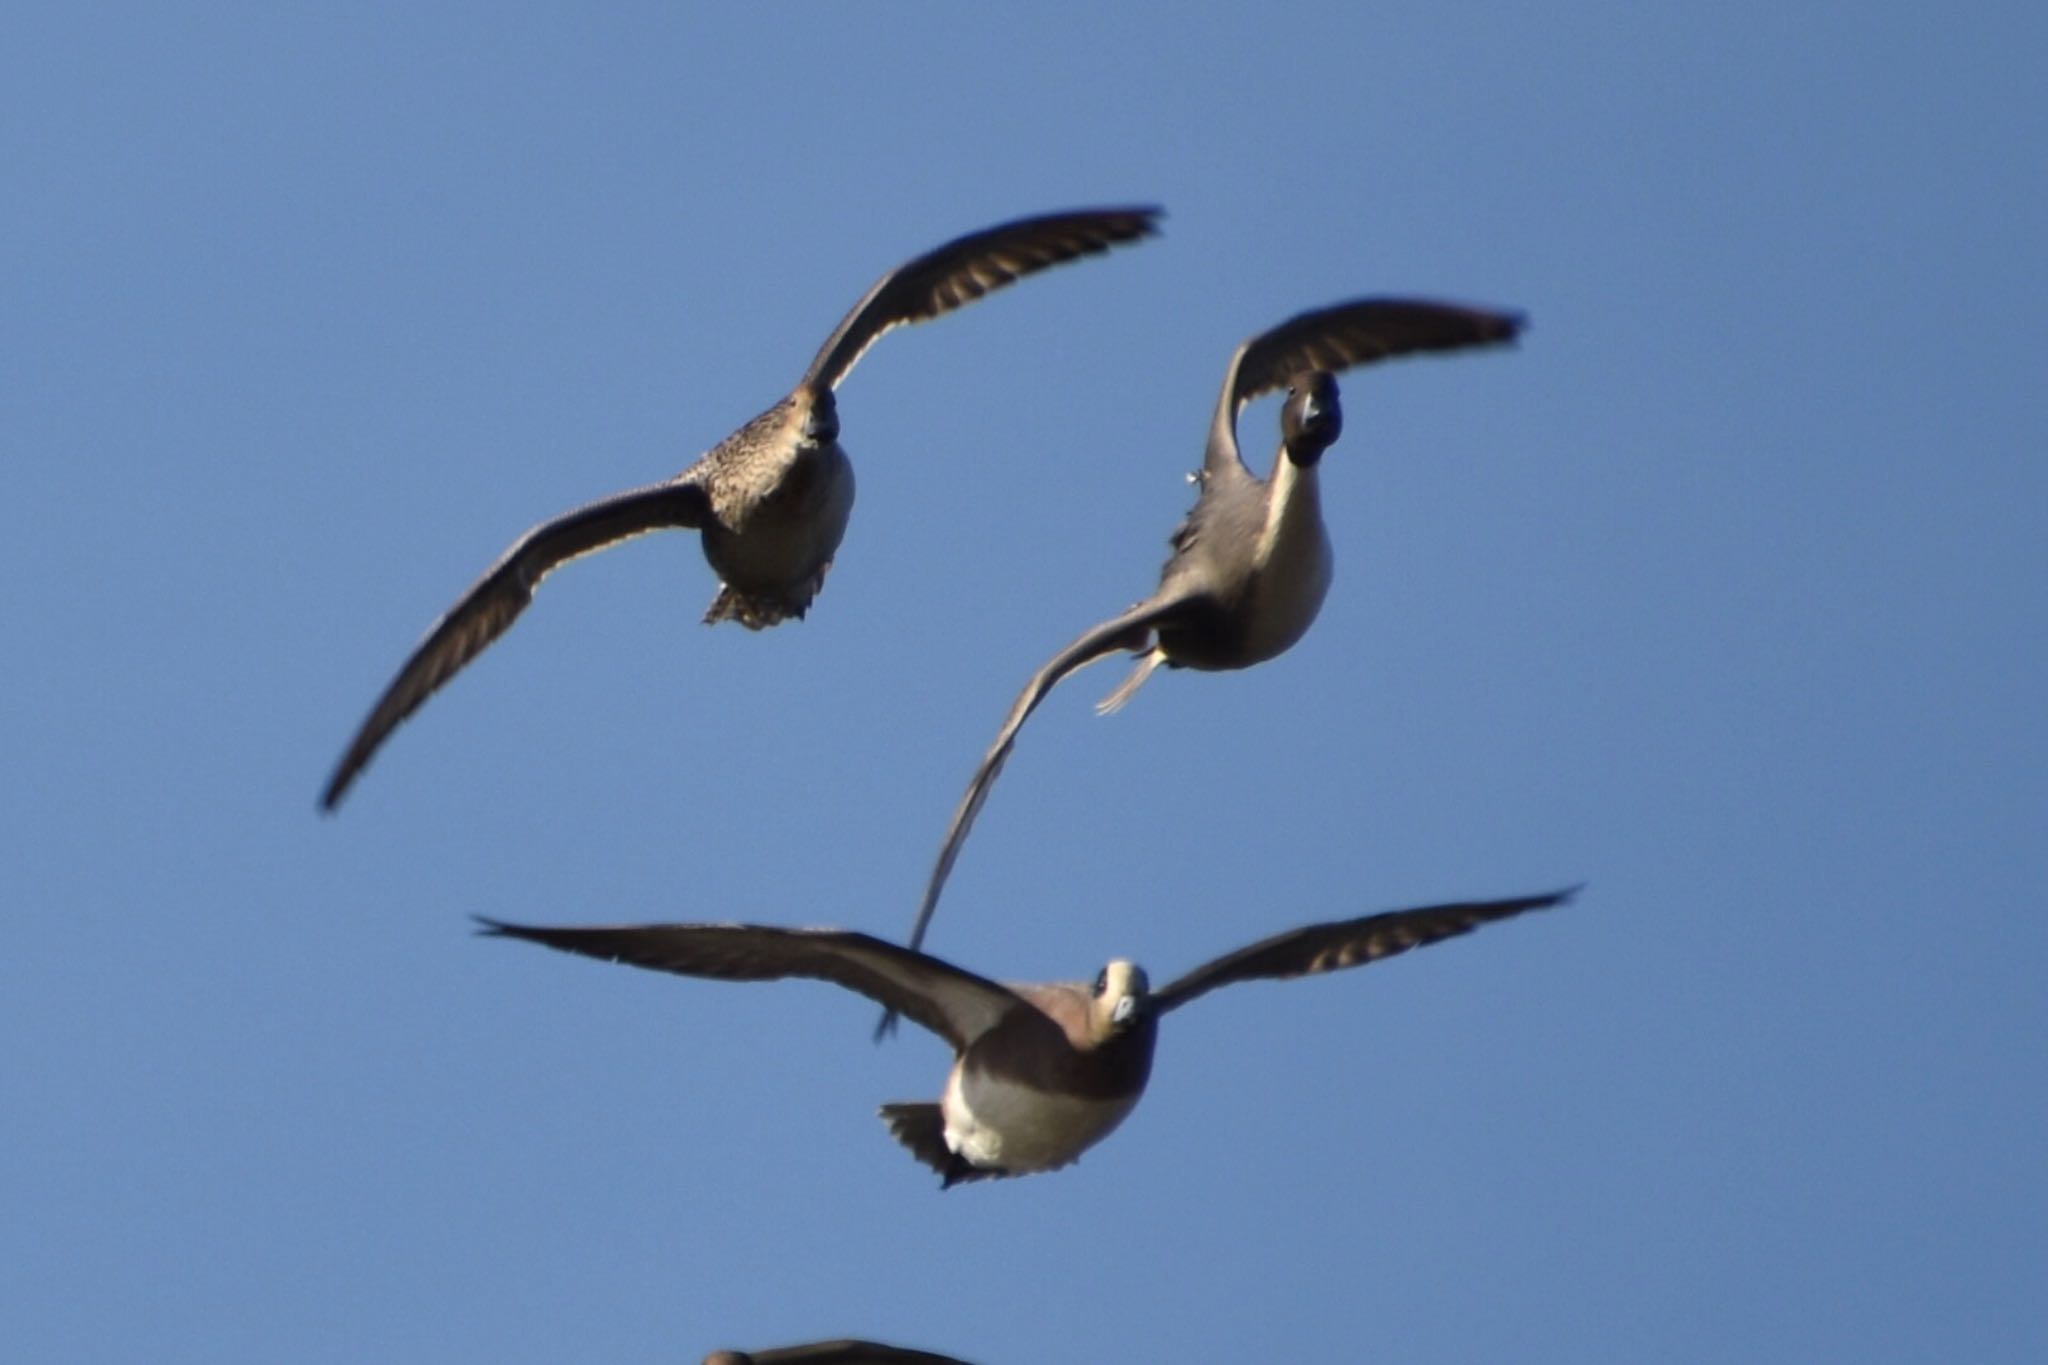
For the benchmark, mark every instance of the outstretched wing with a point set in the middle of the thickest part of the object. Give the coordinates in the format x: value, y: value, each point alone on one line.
x: 1337, y: 338
x: 490, y: 607
x: 1347, y: 943
x: 1131, y: 630
x: 957, y: 1005
x: 964, y: 269
x: 843, y: 1352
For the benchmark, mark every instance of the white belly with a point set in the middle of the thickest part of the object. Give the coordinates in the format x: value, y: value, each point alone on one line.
x: 1020, y: 1130
x: 1288, y: 589
x: 1290, y: 569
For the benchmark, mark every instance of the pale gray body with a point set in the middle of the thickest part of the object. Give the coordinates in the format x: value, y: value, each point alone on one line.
x: 1041, y: 1073
x: 1259, y: 550
x: 771, y: 501
x: 1252, y: 563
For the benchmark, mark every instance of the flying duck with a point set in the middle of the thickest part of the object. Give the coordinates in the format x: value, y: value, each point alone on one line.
x: 771, y: 500
x: 1041, y: 1073
x: 843, y: 1352
x: 1251, y: 562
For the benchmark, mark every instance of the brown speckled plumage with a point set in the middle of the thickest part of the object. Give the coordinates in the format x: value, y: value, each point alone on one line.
x: 771, y: 501
x: 1041, y: 1073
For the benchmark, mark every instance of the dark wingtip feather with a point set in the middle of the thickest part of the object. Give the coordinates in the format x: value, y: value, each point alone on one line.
x: 1148, y: 216
x: 337, y: 786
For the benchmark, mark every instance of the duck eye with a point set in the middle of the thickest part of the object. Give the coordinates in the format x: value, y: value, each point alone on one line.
x: 1102, y: 981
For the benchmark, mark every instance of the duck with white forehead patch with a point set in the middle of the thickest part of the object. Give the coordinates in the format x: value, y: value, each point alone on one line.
x: 1041, y: 1073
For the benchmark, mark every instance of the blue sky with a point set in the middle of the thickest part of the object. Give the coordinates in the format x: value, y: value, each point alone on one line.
x: 1724, y: 593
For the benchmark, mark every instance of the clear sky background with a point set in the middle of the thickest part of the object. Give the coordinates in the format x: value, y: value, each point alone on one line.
x: 1725, y: 593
